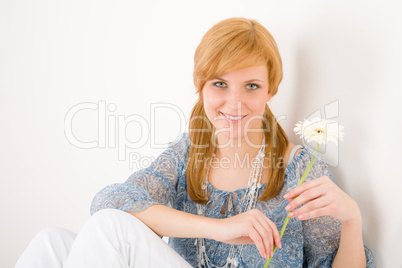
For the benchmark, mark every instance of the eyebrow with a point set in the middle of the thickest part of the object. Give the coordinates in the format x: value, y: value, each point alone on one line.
x: 248, y: 81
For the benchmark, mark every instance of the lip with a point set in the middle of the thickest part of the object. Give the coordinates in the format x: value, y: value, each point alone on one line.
x: 232, y: 114
x: 230, y: 120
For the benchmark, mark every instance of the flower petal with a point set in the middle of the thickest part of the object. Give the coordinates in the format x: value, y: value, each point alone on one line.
x: 319, y: 130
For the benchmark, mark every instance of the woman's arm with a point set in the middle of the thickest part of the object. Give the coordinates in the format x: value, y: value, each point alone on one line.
x: 322, y: 197
x: 150, y: 194
x: 251, y: 227
x: 351, y: 248
x: 166, y: 221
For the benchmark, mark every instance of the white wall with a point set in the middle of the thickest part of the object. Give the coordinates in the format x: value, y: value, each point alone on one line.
x: 55, y: 55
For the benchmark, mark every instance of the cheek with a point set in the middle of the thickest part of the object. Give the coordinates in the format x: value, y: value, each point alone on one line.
x: 257, y: 104
x: 211, y: 102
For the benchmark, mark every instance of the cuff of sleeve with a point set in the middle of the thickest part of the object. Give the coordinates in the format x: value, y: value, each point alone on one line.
x: 128, y: 199
x: 370, y: 263
x: 369, y: 257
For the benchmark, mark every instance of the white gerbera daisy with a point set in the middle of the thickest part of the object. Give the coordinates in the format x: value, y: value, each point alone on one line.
x: 320, y: 130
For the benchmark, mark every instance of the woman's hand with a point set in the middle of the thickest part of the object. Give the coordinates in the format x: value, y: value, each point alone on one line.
x: 322, y: 197
x: 251, y: 227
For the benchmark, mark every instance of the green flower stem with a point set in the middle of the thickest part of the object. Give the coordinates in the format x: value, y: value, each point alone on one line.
x: 300, y: 182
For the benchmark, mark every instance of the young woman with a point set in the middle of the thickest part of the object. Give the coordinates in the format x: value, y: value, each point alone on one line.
x: 221, y: 191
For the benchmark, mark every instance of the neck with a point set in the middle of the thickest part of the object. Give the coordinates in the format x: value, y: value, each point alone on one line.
x: 247, y: 145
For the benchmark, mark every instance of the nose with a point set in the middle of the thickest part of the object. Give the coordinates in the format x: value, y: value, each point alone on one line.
x: 234, y: 101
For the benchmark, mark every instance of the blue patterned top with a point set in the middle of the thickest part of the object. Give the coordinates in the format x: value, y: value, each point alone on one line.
x: 308, y: 243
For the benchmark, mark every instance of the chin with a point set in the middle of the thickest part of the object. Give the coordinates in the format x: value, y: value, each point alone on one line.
x: 231, y: 135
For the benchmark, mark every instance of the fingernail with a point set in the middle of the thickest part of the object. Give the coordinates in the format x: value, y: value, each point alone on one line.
x: 280, y: 245
x: 288, y: 207
x: 286, y: 195
x: 291, y: 214
x: 272, y: 253
x: 301, y: 217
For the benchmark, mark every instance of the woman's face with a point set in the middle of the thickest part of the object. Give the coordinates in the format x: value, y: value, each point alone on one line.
x: 235, y: 102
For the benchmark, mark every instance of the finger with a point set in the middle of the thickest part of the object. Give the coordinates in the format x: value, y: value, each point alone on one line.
x: 307, y: 196
x: 310, y: 206
x: 303, y: 187
x: 272, y: 230
x: 253, y: 234
x: 323, y: 211
x: 266, y: 234
x: 275, y: 232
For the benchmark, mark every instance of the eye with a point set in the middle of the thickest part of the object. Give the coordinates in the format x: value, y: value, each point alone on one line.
x: 220, y: 84
x: 254, y: 86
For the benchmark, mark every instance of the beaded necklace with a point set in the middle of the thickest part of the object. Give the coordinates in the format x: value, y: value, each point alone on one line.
x: 249, y: 199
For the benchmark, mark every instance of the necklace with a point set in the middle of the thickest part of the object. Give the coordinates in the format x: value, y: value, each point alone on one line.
x: 249, y: 200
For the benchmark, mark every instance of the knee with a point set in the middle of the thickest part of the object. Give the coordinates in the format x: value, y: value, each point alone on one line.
x: 54, y: 234
x: 108, y: 214
x: 112, y: 220
x: 109, y: 218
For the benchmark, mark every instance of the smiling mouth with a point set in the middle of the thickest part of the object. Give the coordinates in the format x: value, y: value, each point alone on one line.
x: 233, y: 117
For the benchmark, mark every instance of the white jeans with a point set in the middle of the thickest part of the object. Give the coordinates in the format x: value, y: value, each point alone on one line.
x: 111, y: 238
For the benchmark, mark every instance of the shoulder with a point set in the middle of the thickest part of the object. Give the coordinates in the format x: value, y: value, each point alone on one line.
x: 180, y: 145
x: 301, y: 163
x: 297, y: 151
x: 288, y: 152
x: 182, y: 140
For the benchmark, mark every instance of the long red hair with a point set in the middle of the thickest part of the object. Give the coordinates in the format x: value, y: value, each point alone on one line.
x: 233, y: 44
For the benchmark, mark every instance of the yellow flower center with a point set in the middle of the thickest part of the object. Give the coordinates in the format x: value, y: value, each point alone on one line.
x: 319, y: 131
